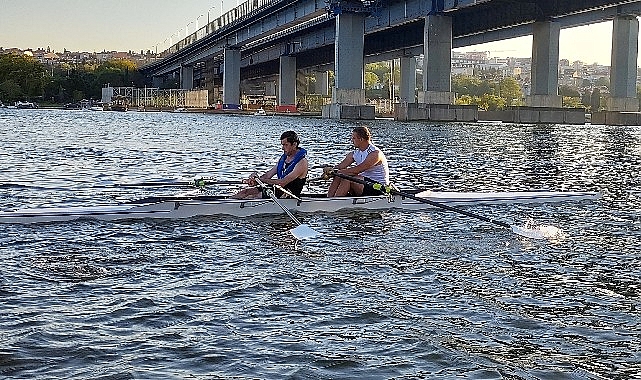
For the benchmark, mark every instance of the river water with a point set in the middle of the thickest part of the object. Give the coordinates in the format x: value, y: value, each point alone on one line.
x: 380, y: 295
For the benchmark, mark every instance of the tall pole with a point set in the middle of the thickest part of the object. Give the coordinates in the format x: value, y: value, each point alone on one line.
x: 392, y: 82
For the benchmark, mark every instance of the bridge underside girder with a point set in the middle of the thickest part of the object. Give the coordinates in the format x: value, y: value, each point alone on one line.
x: 501, y: 14
x: 407, y: 39
x: 403, y: 35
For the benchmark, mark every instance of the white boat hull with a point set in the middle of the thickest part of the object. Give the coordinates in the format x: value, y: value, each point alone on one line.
x: 187, y: 207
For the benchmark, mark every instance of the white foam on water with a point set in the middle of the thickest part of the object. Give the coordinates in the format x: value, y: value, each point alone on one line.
x: 534, y: 231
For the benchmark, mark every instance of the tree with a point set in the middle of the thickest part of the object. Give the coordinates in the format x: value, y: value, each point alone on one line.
x: 572, y: 102
x: 585, y: 98
x: 25, y: 72
x: 510, y: 90
x: 565, y: 90
x: 469, y: 85
x: 10, y: 91
x: 466, y: 100
x: 490, y: 102
x: 603, y: 82
x: 24, y: 78
x: 370, y: 79
x: 488, y: 94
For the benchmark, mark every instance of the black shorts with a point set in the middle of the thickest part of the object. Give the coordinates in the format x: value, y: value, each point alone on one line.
x: 368, y: 189
x: 295, y: 187
x: 277, y: 192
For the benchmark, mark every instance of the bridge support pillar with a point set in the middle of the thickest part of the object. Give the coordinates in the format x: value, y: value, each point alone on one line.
x: 436, y: 102
x: 186, y: 77
x: 437, y: 64
x: 231, y: 79
x: 287, y: 85
x: 623, y: 75
x: 408, y: 80
x: 348, y: 97
x: 322, y: 83
x: 545, y: 66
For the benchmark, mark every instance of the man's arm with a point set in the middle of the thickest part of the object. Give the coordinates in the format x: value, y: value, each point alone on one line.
x: 347, y: 161
x: 269, y: 174
x: 299, y: 171
x: 264, y: 177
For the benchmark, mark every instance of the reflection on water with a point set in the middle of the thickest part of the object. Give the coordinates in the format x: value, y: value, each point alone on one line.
x: 378, y: 295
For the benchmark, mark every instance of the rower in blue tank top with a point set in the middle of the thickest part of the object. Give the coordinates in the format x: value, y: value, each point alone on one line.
x: 290, y: 171
x: 369, y: 164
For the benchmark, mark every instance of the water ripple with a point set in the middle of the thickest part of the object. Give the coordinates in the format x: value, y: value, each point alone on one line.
x: 400, y: 295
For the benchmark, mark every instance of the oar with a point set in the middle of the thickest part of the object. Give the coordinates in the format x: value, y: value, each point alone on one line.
x: 527, y: 232
x: 198, y: 182
x: 302, y: 231
x: 284, y: 190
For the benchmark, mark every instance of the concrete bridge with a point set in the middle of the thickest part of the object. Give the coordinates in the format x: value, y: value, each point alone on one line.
x: 276, y: 38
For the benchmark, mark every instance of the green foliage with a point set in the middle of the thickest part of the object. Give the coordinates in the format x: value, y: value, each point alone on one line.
x: 602, y: 81
x: 572, y: 98
x: 466, y: 100
x: 370, y: 79
x: 585, y: 99
x: 378, y: 68
x: 510, y: 90
x: 22, y: 71
x: 488, y: 94
x: 568, y: 91
x: 10, y: 91
x: 486, y: 102
x: 382, y: 71
x: 24, y: 78
x: 469, y: 85
x: 572, y: 102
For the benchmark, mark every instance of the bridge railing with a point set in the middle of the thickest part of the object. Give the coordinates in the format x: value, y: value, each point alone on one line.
x: 233, y: 16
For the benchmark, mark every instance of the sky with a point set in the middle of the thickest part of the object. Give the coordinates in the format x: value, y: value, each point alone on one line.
x: 123, y: 25
x: 97, y: 25
x: 589, y: 44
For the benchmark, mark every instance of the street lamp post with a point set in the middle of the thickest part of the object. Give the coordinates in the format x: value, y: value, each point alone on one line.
x: 208, y: 18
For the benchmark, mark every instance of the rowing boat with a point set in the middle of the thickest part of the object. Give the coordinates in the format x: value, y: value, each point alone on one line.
x: 179, y: 207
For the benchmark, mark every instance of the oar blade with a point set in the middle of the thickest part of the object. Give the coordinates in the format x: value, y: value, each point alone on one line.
x: 528, y: 232
x: 304, y: 231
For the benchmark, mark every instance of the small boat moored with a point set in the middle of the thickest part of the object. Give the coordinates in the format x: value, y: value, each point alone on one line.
x: 118, y: 103
x: 25, y: 105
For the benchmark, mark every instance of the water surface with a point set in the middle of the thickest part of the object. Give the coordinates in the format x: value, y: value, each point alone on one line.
x: 392, y: 294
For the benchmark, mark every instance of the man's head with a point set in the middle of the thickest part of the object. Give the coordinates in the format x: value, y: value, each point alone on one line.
x: 290, y: 142
x: 361, y: 137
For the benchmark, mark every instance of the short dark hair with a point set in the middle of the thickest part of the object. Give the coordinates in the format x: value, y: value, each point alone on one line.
x: 363, y: 132
x: 291, y: 137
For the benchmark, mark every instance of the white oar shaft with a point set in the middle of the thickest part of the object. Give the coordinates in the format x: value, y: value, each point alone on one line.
x: 302, y: 231
x: 199, y: 182
x: 271, y: 194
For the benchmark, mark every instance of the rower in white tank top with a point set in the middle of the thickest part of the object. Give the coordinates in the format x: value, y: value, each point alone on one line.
x: 365, y: 161
x: 378, y: 173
